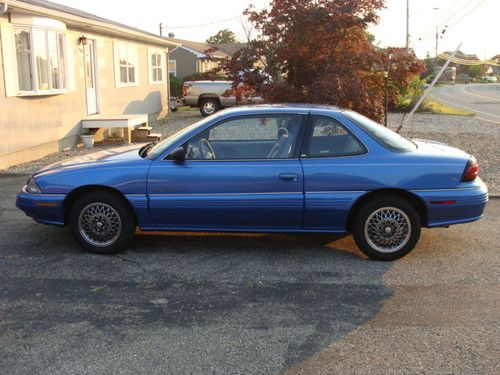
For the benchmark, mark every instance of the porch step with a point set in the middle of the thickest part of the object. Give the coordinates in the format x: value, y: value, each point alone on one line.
x: 154, y: 136
x: 143, y: 134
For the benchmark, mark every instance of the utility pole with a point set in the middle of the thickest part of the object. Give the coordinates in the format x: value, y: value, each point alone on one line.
x: 161, y: 29
x: 407, y: 24
x: 437, y: 39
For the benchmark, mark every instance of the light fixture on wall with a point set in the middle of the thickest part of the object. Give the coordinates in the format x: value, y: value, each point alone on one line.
x: 82, y: 40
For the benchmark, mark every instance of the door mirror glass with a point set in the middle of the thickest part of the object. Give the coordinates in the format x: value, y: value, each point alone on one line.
x: 178, y: 155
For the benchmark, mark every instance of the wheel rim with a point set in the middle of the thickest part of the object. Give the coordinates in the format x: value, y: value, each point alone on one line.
x: 388, y: 229
x: 209, y: 107
x: 99, y: 224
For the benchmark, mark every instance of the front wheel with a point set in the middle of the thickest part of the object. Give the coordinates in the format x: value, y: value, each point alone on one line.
x: 209, y: 106
x: 101, y: 222
x: 386, y: 228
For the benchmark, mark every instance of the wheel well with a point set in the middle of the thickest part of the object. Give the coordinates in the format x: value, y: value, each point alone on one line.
x: 73, y: 196
x: 208, y: 96
x: 413, y: 199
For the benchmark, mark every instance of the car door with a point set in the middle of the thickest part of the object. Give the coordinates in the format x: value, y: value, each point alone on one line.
x: 335, y: 173
x: 243, y: 173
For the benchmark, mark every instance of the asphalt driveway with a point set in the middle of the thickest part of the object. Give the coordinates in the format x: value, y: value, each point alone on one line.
x: 206, y: 303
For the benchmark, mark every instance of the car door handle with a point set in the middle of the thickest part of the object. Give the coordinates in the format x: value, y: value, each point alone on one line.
x: 289, y: 177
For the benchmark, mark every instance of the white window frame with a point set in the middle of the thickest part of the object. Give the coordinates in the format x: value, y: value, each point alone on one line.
x: 131, y: 61
x: 158, y: 67
x: 36, y: 90
x: 174, y: 72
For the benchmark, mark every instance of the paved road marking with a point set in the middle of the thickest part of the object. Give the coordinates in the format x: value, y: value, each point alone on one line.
x: 464, y: 107
x: 481, y: 96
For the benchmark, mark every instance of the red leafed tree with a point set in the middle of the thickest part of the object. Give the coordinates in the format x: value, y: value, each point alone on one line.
x: 318, y: 51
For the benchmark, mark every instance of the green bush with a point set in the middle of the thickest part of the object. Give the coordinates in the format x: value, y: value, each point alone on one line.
x: 410, y: 94
x: 175, y: 86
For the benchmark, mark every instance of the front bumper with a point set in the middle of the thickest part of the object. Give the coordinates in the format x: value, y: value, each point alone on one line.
x: 454, y: 206
x: 43, y: 208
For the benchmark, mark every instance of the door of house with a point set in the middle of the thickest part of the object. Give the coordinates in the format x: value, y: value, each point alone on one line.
x: 90, y: 77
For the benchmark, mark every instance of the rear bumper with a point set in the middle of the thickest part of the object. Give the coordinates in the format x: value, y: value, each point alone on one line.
x: 454, y: 206
x: 43, y: 208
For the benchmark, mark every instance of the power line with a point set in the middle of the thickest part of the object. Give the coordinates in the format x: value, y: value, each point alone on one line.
x: 468, y: 13
x: 429, y: 35
x: 203, y: 24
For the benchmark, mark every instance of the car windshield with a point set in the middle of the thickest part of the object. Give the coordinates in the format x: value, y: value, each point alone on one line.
x: 158, y: 149
x: 381, y: 134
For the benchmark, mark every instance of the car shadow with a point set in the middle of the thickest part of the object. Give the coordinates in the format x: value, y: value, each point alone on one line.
x: 234, y: 303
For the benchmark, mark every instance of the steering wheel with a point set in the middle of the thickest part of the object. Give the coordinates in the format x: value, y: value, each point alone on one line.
x: 206, y: 149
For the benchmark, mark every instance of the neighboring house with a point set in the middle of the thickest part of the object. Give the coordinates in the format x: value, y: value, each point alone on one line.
x: 496, y: 68
x: 60, y: 65
x: 190, y: 57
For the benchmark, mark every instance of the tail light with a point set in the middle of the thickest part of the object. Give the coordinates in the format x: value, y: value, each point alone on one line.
x: 185, y: 87
x: 471, y: 170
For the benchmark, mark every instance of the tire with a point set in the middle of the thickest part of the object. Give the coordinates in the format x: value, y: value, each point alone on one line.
x: 386, y: 228
x: 104, y: 211
x: 209, y: 106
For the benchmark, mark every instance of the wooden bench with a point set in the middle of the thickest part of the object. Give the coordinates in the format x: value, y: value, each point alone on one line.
x: 127, y: 122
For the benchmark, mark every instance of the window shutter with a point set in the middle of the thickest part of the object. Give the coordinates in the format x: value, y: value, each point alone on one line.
x: 9, y: 59
x: 70, y: 61
x: 150, y: 70
x: 132, y: 55
x: 164, y: 65
x: 116, y: 62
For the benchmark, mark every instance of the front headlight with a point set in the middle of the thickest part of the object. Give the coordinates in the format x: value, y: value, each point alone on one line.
x: 32, y: 187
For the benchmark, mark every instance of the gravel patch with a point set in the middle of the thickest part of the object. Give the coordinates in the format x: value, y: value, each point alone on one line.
x: 475, y: 136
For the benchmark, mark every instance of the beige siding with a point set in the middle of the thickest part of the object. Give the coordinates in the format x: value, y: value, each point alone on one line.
x: 31, y: 127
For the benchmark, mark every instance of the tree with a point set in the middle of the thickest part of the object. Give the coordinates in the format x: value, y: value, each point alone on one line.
x: 319, y: 51
x: 476, y: 71
x: 222, y: 36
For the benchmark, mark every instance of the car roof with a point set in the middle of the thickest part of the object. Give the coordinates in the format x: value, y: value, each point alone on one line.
x: 278, y: 108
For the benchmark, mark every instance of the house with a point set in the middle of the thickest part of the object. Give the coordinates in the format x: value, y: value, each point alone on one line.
x: 190, y: 57
x: 60, y: 66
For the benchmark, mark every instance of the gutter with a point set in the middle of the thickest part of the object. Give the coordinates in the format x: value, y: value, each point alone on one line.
x: 92, y: 25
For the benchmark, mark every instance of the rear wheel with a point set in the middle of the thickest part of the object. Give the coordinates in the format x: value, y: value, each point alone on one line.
x: 209, y: 106
x: 101, y: 222
x: 386, y: 228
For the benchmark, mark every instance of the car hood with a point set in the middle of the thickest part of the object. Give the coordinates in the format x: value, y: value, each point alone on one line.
x: 439, y: 149
x: 126, y: 153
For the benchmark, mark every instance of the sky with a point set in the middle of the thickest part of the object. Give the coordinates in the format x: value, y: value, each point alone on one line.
x: 472, y: 22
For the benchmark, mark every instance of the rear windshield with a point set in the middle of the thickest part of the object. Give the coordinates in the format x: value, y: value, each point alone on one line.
x: 381, y: 134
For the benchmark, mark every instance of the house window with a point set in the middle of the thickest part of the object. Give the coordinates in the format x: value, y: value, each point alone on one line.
x: 127, y: 60
x: 41, y: 60
x: 155, y: 66
x: 172, y: 67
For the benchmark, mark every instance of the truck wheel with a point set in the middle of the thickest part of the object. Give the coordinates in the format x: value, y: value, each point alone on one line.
x: 209, y: 106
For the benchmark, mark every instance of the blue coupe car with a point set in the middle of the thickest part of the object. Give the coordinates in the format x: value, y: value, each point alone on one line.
x: 287, y: 168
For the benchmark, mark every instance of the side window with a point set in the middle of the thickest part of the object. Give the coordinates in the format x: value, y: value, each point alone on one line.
x: 249, y: 137
x: 329, y: 138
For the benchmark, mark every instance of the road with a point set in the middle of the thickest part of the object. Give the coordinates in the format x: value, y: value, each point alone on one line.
x: 251, y: 304
x: 482, y: 99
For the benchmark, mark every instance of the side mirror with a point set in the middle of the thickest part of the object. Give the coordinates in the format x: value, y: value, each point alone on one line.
x: 178, y: 155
